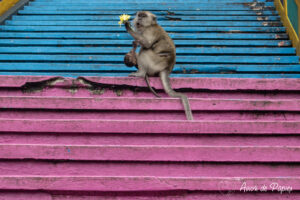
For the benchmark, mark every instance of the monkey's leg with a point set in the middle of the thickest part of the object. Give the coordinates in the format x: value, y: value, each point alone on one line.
x: 143, y: 74
x: 164, y: 76
x: 138, y: 73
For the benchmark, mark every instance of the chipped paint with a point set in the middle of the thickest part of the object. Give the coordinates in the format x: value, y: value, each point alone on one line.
x: 118, y: 92
x: 262, y: 18
x: 280, y: 44
x: 97, y: 91
x: 170, y: 13
x: 73, y: 88
x: 173, y: 18
x: 39, y: 86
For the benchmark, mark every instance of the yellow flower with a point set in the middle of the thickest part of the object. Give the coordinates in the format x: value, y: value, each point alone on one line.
x: 123, y: 18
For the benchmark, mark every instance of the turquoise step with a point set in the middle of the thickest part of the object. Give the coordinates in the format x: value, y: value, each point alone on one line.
x: 243, y: 38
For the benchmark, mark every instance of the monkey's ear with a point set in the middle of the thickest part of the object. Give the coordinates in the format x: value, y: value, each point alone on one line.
x: 154, y: 19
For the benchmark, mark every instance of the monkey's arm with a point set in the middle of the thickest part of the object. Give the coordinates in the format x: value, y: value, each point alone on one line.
x: 139, y: 38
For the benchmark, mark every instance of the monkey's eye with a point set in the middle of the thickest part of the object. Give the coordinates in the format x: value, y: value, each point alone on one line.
x: 142, y: 15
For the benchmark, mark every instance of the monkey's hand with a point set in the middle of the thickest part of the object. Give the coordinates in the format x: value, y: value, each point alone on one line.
x: 139, y: 38
x: 127, y: 25
x: 124, y: 18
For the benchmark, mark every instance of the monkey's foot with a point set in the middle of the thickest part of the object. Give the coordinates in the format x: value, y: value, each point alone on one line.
x: 137, y: 74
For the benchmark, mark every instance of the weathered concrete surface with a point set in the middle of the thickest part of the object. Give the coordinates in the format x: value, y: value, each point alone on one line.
x: 63, y: 138
x: 177, y: 83
x: 166, y: 104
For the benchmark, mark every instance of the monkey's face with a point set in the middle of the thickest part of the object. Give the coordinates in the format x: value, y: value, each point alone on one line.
x: 144, y: 19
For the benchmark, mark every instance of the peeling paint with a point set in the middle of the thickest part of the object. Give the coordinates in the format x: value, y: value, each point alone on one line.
x: 74, y: 87
x: 170, y: 13
x: 262, y: 18
x: 252, y: 4
x: 99, y: 87
x: 97, y: 91
x: 118, y: 92
x: 73, y: 90
x: 84, y: 82
x: 280, y: 44
x: 173, y: 18
x: 32, y: 87
x: 257, y: 8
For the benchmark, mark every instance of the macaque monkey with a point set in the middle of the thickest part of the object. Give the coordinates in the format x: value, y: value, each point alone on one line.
x: 157, y: 54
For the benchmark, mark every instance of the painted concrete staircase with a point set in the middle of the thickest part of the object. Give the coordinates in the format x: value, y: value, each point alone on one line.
x: 85, y: 131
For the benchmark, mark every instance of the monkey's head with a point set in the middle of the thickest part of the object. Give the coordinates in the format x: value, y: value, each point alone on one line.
x: 144, y: 19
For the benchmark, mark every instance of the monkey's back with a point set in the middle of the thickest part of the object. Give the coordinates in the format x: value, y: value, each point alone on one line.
x: 164, y: 46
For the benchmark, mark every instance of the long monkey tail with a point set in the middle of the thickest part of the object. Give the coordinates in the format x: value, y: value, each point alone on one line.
x: 151, y: 89
x: 164, y: 76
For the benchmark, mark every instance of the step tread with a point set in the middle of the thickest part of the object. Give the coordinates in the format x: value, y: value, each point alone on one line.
x: 151, y: 126
x: 146, y: 104
x: 70, y: 183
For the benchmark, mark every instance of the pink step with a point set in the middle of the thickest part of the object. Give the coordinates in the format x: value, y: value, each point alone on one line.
x: 150, y: 126
x: 108, y: 137
x: 165, y: 104
x: 192, y: 83
x: 98, y: 183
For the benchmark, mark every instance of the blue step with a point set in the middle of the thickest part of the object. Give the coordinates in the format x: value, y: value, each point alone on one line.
x: 214, y: 38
